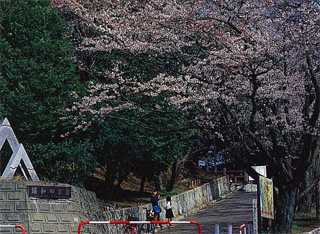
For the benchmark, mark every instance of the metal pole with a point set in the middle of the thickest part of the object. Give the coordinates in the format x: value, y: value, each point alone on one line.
x: 14, y: 226
x: 255, y: 216
x: 229, y: 229
x: 259, y: 204
x: 22, y: 228
x: 242, y: 229
x: 318, y: 202
x: 249, y: 228
x: 193, y: 222
x: 216, y: 229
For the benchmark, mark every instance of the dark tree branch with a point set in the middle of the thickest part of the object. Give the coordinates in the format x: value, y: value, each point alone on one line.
x: 259, y: 144
x: 316, y: 107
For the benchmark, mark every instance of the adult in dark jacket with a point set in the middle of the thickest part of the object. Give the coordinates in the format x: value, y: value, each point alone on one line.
x: 156, y: 208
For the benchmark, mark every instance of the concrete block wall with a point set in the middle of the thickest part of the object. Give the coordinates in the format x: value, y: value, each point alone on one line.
x: 13, y: 208
x: 182, y: 204
x: 47, y: 216
x: 197, y: 198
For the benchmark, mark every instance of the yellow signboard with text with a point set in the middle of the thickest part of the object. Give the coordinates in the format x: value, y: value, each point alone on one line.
x: 266, y: 197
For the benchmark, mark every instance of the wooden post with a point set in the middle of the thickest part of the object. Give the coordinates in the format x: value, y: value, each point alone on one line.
x: 255, y: 216
x: 318, y: 201
x: 259, y: 204
x: 246, y: 178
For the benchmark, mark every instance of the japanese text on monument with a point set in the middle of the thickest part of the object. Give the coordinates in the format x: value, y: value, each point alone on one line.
x: 52, y: 192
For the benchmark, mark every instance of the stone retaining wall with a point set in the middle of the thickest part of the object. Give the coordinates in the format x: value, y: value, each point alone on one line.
x: 182, y: 205
x: 45, y: 215
x: 62, y: 216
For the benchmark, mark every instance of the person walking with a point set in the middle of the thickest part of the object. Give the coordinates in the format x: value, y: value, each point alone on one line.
x: 169, y: 213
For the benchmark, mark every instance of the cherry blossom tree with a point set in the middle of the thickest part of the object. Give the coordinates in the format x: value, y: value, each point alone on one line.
x: 247, y: 70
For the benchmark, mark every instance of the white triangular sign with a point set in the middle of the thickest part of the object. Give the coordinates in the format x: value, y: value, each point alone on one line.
x: 19, y: 154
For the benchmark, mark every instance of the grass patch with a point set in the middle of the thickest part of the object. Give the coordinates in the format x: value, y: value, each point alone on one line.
x: 305, y: 222
x: 174, y: 192
x: 137, y: 199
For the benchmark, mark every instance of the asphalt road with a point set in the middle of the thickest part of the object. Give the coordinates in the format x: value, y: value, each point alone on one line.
x: 235, y: 210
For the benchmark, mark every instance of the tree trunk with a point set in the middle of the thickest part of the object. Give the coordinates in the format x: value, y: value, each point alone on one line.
x: 109, y: 180
x: 161, y: 186
x: 318, y: 201
x: 306, y: 203
x: 117, y: 188
x: 143, y: 181
x: 172, y: 180
x: 177, y: 167
x: 285, y: 209
x: 156, y: 181
x: 108, y: 186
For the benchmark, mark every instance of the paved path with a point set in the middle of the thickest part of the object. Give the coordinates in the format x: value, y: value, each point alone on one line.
x: 235, y: 210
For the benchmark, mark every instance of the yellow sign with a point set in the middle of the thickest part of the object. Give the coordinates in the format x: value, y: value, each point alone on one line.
x: 266, y: 197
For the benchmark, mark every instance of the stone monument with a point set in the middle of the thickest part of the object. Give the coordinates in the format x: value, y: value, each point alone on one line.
x: 18, y: 156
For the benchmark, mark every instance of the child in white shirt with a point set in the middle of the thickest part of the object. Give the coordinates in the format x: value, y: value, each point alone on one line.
x: 169, y: 213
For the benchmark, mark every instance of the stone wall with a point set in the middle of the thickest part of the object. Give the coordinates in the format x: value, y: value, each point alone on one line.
x: 48, y: 216
x: 182, y: 205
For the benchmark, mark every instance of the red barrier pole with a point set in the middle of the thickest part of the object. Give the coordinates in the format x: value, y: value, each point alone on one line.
x: 198, y: 224
x: 81, y: 224
x: 240, y: 228
x: 120, y: 222
x: 14, y: 226
x: 22, y: 228
x: 138, y: 222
